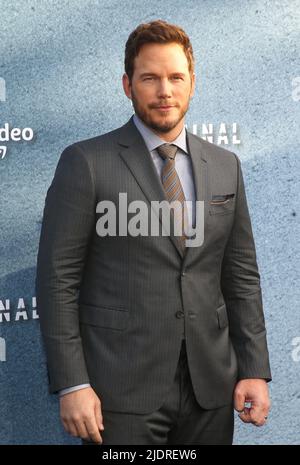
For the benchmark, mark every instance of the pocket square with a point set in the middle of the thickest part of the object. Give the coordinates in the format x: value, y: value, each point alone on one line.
x: 221, y: 198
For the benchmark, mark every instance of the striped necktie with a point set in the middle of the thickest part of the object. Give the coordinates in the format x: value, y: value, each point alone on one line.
x: 172, y: 184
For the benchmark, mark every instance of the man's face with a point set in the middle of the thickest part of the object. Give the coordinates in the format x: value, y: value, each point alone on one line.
x: 161, y: 87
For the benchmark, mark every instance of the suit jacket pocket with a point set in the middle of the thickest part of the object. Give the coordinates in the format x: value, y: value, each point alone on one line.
x: 222, y: 316
x: 104, y: 317
x: 222, y: 204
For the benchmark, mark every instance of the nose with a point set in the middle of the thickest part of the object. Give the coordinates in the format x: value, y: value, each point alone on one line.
x: 164, y: 88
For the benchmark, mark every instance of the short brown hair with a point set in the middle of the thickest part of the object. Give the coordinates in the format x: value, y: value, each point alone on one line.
x: 160, y: 32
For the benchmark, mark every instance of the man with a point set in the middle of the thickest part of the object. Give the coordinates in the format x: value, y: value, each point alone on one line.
x: 149, y: 341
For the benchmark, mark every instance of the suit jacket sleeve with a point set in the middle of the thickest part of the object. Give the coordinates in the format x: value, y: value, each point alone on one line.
x: 240, y: 282
x: 68, y: 223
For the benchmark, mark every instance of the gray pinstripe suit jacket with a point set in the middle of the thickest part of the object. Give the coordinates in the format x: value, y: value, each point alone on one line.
x: 112, y: 309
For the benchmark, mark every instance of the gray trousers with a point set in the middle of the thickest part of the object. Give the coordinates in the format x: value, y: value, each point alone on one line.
x: 180, y: 420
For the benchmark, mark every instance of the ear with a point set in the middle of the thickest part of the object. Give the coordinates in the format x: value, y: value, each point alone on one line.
x: 126, y: 85
x: 193, y: 83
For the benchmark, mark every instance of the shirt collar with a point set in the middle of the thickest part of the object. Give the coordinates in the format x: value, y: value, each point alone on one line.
x: 153, y: 141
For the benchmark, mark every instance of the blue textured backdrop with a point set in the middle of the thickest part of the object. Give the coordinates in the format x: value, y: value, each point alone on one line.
x: 62, y: 62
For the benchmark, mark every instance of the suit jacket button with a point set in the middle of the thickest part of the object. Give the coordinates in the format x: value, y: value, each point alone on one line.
x: 179, y: 314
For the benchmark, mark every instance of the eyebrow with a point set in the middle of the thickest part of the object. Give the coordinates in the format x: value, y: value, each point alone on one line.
x: 153, y: 74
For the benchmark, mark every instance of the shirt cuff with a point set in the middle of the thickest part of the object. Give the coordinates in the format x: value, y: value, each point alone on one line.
x: 72, y: 389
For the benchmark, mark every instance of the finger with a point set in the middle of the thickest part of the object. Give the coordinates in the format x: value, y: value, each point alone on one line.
x: 245, y: 415
x: 258, y: 415
x: 82, y: 431
x: 258, y: 423
x: 93, y: 429
x: 98, y: 416
x: 239, y: 401
x: 66, y: 427
x: 71, y: 428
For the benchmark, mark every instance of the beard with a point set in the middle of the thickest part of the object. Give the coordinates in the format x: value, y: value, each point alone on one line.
x: 159, y: 126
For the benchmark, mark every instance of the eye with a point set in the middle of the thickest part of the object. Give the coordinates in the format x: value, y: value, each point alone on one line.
x: 177, y: 78
x: 150, y: 78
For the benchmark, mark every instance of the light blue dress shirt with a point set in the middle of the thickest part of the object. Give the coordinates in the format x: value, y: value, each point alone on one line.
x: 183, y: 166
x: 183, y: 163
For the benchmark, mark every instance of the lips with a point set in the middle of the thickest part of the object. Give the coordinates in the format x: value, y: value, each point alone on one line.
x: 165, y: 107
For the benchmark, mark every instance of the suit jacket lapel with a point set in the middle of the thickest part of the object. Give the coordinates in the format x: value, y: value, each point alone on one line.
x: 135, y: 154
x: 200, y: 172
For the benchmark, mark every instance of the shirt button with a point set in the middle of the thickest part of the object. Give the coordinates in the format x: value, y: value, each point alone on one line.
x: 179, y: 314
x: 183, y: 273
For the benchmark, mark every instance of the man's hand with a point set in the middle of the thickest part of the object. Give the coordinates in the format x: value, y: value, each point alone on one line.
x: 256, y: 392
x: 81, y: 415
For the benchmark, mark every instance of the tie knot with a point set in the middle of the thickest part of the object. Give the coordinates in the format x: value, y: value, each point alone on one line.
x: 167, y: 151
